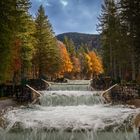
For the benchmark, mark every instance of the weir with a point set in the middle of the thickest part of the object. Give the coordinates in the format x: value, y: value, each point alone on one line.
x: 70, y: 111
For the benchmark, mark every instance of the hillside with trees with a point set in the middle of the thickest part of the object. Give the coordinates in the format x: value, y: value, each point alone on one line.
x: 92, y: 41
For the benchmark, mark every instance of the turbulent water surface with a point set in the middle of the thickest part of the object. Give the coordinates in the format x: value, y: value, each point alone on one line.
x: 71, y: 112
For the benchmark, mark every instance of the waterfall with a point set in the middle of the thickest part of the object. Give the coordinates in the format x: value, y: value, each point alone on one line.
x: 70, y: 98
x: 70, y: 111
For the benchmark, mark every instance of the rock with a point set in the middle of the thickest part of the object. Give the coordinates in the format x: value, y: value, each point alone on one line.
x: 137, y: 121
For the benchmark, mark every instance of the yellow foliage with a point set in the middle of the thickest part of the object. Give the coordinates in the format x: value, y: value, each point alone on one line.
x: 96, y: 66
x: 87, y: 62
x: 76, y: 65
x: 66, y: 65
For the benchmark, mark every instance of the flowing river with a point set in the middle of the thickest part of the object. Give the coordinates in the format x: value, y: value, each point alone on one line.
x: 70, y: 111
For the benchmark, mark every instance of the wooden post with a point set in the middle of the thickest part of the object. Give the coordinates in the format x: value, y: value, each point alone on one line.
x: 49, y: 83
x: 35, y: 95
x: 108, y: 89
x: 38, y: 93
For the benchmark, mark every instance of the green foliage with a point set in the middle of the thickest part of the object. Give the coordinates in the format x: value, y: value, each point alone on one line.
x: 118, y: 26
x: 24, y: 32
x: 90, y: 40
x: 47, y: 54
x: 70, y: 46
x: 16, y: 24
x: 7, y: 21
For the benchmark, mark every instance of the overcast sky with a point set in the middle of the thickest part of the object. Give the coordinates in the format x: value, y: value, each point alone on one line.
x: 70, y: 15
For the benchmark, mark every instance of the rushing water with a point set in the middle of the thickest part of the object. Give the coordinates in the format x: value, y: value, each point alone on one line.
x: 70, y: 112
x: 70, y: 98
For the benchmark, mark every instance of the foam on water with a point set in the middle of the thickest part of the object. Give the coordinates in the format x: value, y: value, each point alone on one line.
x: 76, y: 85
x: 70, y: 115
x: 69, y: 98
x: 96, y: 118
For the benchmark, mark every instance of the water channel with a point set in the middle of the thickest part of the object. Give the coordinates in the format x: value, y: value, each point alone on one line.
x: 70, y: 111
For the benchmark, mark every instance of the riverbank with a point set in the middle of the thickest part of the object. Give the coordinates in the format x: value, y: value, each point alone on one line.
x: 6, y: 103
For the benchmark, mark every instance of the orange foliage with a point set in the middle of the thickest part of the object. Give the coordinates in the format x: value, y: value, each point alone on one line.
x: 96, y: 63
x: 87, y: 62
x: 66, y: 65
x: 76, y: 65
x: 16, y: 61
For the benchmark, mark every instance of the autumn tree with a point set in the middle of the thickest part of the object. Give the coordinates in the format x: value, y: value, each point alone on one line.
x: 95, y: 63
x: 66, y: 64
x: 76, y: 67
x: 85, y: 61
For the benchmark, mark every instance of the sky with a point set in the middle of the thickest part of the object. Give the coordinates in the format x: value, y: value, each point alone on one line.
x: 70, y: 15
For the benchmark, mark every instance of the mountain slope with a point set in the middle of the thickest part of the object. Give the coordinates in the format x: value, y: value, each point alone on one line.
x: 91, y: 40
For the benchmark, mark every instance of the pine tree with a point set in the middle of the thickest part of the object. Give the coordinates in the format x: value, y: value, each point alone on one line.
x: 7, y: 26
x: 130, y: 16
x: 70, y: 46
x: 47, y: 54
x: 24, y: 34
x: 107, y: 24
x: 113, y: 39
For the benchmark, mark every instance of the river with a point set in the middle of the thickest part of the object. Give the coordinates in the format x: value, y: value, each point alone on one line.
x: 70, y: 111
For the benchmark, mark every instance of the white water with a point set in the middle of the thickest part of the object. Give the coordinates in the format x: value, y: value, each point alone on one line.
x: 70, y: 115
x: 70, y: 98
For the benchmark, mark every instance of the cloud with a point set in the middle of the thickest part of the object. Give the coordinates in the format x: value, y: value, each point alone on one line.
x: 64, y: 2
x: 70, y: 15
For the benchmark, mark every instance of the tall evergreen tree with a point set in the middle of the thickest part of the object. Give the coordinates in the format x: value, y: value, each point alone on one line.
x: 7, y: 26
x: 24, y: 34
x: 109, y: 27
x: 70, y: 46
x: 47, y: 54
x: 130, y: 15
x: 119, y: 33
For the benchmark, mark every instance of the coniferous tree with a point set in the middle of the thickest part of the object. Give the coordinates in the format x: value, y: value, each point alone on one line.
x: 15, y: 32
x: 24, y: 35
x: 113, y: 40
x: 7, y: 26
x: 47, y: 53
x: 108, y: 25
x: 130, y: 15
x: 119, y: 33
x: 70, y: 46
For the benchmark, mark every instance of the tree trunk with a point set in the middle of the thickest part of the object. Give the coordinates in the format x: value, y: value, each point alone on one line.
x: 111, y: 60
x: 133, y: 67
x: 120, y: 72
x: 115, y: 69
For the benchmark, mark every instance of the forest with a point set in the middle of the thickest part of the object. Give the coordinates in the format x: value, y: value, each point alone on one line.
x: 119, y: 26
x: 30, y: 50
